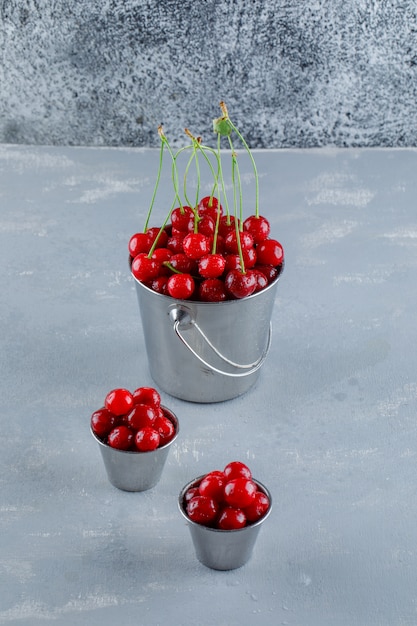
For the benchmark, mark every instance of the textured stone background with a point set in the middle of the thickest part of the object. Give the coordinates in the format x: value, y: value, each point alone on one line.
x: 293, y: 73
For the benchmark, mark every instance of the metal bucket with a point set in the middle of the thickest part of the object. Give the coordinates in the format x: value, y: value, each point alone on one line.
x: 223, y: 549
x: 206, y: 351
x: 133, y: 470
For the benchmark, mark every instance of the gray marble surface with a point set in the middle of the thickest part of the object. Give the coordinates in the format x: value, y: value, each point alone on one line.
x: 329, y: 427
x: 295, y: 74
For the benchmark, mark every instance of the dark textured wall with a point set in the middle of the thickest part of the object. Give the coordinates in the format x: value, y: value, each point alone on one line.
x: 293, y: 72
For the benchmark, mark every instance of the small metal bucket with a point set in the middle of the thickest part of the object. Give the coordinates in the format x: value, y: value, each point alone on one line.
x: 223, y: 549
x: 206, y: 351
x: 136, y: 471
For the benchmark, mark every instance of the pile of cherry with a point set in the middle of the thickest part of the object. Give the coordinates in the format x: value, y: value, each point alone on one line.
x: 227, y: 500
x: 133, y: 421
x: 181, y: 261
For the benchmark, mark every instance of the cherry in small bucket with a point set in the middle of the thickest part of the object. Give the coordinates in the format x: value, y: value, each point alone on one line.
x: 224, y: 514
x: 134, y: 432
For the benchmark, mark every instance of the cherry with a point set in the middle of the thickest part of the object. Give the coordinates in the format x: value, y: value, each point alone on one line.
x: 119, y: 401
x: 156, y: 233
x: 240, y: 492
x: 212, y: 290
x: 165, y: 428
x: 180, y: 218
x: 211, y: 265
x: 206, y: 226
x: 102, y: 422
x: 196, y: 245
x: 162, y: 254
x: 144, y: 268
x: 209, y: 205
x: 121, y: 437
x: 237, y: 469
x: 191, y: 493
x: 261, y: 280
x: 147, y: 439
x: 258, y: 227
x: 181, y: 286
x: 227, y: 224
x: 231, y: 241
x: 202, y: 510
x: 182, y: 263
x: 159, y: 284
x: 258, y: 508
x: 140, y: 242
x: 147, y: 395
x: 141, y: 415
x: 269, y: 271
x: 240, y: 285
x: 270, y: 252
x: 174, y: 242
x: 231, y: 519
x: 212, y: 485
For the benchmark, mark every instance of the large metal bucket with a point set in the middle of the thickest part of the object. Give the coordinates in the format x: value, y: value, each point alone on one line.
x: 206, y: 351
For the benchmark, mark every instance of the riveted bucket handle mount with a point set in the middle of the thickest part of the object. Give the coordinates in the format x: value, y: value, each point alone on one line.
x: 182, y: 319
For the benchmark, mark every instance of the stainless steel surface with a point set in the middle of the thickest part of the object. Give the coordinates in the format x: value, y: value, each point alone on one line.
x: 204, y: 351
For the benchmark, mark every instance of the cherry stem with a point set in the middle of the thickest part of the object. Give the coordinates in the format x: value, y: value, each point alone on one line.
x: 242, y: 139
x: 238, y: 242
x: 165, y: 222
x: 158, y: 178
x: 226, y: 204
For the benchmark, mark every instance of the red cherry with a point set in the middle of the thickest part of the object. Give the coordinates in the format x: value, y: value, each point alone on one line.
x: 211, y: 265
x: 156, y: 233
x: 206, y: 226
x: 147, y: 439
x: 182, y: 263
x: 144, y: 268
x: 140, y: 416
x: 230, y: 241
x: 212, y: 290
x: 261, y: 280
x: 162, y: 254
x: 158, y: 284
x: 174, y: 242
x: 180, y: 218
x: 102, y: 422
x: 196, y: 245
x: 202, y: 510
x: 270, y: 252
x: 240, y: 285
x: 231, y: 519
x: 240, y: 492
x: 212, y: 485
x: 140, y: 242
x: 121, y: 437
x: 147, y: 395
x: 227, y: 224
x: 165, y: 428
x: 269, y: 271
x: 237, y: 469
x: 258, y: 227
x: 191, y: 493
x: 181, y: 286
x: 119, y: 401
x: 258, y: 508
x: 209, y: 205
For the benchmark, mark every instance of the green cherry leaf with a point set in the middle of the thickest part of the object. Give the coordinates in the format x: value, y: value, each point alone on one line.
x: 221, y: 126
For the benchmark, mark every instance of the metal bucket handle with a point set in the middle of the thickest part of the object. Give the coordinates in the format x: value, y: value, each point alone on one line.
x: 181, y: 317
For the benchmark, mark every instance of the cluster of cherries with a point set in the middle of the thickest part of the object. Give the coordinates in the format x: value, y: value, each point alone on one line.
x: 181, y: 261
x: 226, y: 500
x: 133, y: 421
